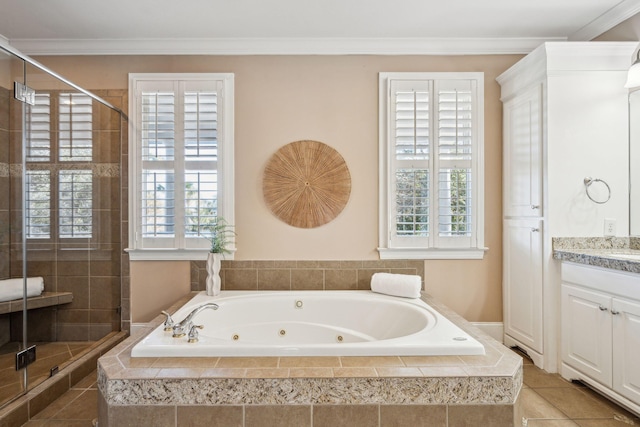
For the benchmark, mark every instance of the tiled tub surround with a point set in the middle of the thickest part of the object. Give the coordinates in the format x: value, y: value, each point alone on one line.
x: 301, y: 275
x: 311, y: 391
x: 605, y: 252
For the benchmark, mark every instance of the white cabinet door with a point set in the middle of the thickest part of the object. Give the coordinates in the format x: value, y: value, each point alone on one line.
x: 522, y: 281
x: 523, y: 154
x: 626, y: 348
x: 586, y: 332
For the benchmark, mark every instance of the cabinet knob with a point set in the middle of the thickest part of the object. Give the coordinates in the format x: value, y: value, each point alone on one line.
x: 615, y: 312
x: 602, y: 308
x: 535, y: 206
x: 535, y: 230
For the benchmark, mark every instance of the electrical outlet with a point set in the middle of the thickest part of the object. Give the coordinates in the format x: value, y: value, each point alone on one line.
x: 609, y: 227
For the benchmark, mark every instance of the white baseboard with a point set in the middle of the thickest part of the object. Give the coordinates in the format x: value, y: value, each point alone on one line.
x: 493, y: 329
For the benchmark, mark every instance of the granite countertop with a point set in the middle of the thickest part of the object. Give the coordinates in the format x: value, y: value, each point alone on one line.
x: 616, y: 253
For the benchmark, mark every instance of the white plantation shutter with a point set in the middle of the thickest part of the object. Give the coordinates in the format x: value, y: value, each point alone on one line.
x: 38, y: 147
x: 179, y: 146
x: 75, y: 121
x: 411, y: 142
x: 64, y: 173
x: 201, y: 161
x: 38, y: 204
x: 38, y: 182
x: 456, y: 136
x: 157, y: 183
x: 431, y: 173
x: 75, y: 203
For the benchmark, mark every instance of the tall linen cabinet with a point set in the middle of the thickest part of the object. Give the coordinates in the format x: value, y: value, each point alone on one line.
x: 564, y: 119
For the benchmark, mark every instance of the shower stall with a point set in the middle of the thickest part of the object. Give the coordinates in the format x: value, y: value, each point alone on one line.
x: 61, y: 194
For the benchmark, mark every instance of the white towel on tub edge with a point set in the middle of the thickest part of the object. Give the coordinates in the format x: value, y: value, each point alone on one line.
x: 401, y: 285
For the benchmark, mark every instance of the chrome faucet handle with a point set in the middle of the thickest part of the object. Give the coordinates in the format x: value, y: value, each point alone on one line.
x: 168, y: 322
x: 193, y: 332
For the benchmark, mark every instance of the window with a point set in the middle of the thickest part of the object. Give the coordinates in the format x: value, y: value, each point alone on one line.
x: 181, y: 163
x: 431, y: 165
x: 59, y: 166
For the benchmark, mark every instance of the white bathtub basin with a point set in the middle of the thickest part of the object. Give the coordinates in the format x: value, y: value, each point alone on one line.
x: 311, y: 323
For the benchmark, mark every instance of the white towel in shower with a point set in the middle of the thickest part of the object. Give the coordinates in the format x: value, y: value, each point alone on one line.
x: 400, y: 285
x: 11, y: 289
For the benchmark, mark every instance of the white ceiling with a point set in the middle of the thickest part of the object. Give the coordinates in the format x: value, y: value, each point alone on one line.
x: 302, y: 26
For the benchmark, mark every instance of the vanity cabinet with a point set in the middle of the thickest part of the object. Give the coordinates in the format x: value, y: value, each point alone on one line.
x: 560, y: 104
x: 600, y: 330
x: 586, y: 332
x: 626, y: 348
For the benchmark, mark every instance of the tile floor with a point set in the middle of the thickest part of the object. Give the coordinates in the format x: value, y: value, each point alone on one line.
x: 547, y: 401
x: 550, y: 401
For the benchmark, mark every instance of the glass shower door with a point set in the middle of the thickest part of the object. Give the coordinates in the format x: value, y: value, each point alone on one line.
x: 13, y: 383
x: 60, y: 221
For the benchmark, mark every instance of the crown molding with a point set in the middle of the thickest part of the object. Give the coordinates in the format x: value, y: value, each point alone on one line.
x: 561, y: 59
x: 617, y: 14
x: 282, y: 46
x: 4, y: 41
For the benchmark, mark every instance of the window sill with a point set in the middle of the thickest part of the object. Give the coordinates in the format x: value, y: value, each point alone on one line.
x: 170, y: 254
x: 422, y: 253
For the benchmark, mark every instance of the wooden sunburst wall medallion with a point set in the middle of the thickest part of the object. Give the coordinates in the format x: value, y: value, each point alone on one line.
x: 306, y: 184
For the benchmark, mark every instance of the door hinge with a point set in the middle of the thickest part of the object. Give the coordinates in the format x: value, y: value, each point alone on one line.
x: 24, y: 93
x: 25, y: 357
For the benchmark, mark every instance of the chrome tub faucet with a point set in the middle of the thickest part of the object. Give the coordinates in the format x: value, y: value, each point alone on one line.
x: 182, y: 328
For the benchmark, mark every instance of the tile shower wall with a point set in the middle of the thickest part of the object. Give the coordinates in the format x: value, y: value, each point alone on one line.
x: 301, y: 275
x: 92, y: 270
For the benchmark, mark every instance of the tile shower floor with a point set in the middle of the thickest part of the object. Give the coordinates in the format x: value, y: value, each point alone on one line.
x: 547, y: 401
x: 49, y: 354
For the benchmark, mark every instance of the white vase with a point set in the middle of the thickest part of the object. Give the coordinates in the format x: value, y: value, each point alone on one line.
x: 213, y: 274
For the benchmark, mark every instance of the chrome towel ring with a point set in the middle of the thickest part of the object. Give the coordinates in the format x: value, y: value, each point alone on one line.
x: 587, y: 183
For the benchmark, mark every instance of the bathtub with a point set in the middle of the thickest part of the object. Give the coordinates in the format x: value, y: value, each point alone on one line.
x: 311, y: 323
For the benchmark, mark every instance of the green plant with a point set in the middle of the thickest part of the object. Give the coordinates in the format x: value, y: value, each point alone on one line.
x: 220, y: 233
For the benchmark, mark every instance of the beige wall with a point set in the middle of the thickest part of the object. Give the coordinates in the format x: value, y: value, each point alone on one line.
x: 158, y: 284
x: 332, y: 99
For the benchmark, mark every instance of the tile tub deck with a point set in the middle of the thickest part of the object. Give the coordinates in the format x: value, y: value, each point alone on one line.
x: 447, y: 390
